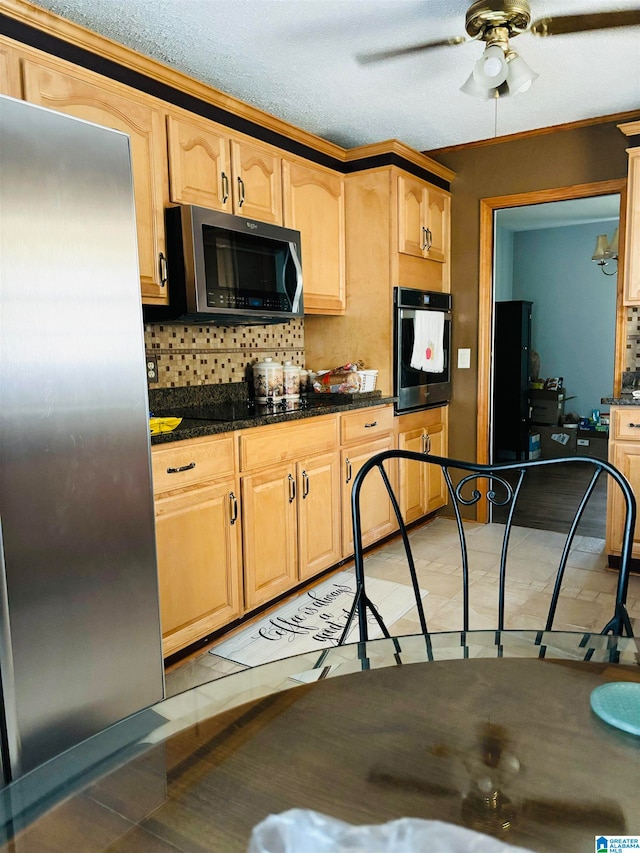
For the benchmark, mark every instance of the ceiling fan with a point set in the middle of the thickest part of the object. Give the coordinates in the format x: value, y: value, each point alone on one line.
x: 500, y: 70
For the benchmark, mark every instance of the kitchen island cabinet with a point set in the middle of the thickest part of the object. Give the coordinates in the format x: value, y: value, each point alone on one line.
x: 197, y: 538
x: 422, y: 488
x: 72, y: 90
x: 210, y: 167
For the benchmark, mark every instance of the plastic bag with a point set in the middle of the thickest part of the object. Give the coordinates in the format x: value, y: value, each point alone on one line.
x: 306, y: 831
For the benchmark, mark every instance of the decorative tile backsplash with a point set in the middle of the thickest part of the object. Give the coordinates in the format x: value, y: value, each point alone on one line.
x: 204, y: 355
x: 632, y: 358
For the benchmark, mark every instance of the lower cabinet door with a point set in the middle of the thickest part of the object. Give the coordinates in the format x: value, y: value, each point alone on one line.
x: 269, y: 501
x: 198, y: 543
x: 422, y: 487
x: 625, y: 455
x: 376, y: 513
x: 318, y: 514
x: 437, y: 495
x: 414, y: 476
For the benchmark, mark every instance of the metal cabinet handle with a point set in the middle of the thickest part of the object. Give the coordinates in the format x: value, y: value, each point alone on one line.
x: 241, y: 189
x: 183, y: 468
x: 225, y: 187
x: 368, y: 426
x: 634, y: 426
x: 348, y: 467
x: 429, y: 239
x: 233, y: 503
x: 424, y: 442
x: 292, y: 489
x: 162, y: 268
x: 427, y: 443
x: 305, y: 484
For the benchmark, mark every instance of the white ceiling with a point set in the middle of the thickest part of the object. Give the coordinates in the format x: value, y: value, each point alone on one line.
x: 296, y: 60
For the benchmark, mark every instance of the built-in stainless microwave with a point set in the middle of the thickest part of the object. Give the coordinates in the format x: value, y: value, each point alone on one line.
x: 227, y: 270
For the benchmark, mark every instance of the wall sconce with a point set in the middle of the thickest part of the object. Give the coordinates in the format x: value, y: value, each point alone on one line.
x: 606, y: 251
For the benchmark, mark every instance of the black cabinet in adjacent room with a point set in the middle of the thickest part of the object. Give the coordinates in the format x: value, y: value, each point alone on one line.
x: 511, y: 374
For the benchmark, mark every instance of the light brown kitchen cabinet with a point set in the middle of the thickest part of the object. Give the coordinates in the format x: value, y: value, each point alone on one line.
x: 624, y: 453
x: 422, y: 488
x: 423, y: 219
x: 314, y: 205
x: 210, y: 167
x: 632, y: 230
x: 290, y: 505
x: 363, y: 433
x: 269, y: 533
x: 9, y: 72
x: 197, y: 539
x: 72, y: 90
x: 374, y: 267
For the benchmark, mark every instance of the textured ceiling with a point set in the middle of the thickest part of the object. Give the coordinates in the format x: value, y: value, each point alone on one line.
x: 296, y: 60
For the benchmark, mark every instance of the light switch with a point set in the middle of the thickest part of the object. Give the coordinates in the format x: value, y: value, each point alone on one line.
x: 464, y: 358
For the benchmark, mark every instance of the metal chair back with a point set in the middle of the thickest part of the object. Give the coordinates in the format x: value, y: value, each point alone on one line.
x: 503, y: 485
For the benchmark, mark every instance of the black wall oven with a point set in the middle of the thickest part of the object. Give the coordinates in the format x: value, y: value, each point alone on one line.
x: 422, y: 348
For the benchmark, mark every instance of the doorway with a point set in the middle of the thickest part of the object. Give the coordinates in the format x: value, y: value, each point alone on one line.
x: 488, y: 238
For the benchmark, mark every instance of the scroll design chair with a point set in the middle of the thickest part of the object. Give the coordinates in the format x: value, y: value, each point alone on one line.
x: 501, y: 492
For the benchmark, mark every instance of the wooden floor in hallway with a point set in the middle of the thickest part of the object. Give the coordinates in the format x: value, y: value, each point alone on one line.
x: 550, y: 496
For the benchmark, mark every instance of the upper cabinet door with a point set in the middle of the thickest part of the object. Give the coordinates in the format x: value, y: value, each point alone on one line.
x: 632, y: 234
x: 9, y: 72
x: 76, y: 94
x: 199, y: 163
x: 412, y: 213
x: 314, y: 206
x: 423, y: 220
x: 257, y: 181
x: 437, y: 225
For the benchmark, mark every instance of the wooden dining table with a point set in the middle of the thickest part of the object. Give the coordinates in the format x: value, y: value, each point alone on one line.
x: 489, y: 730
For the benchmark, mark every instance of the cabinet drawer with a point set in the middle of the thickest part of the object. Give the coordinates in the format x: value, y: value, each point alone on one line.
x: 188, y: 462
x: 271, y: 445
x: 625, y: 423
x: 365, y: 424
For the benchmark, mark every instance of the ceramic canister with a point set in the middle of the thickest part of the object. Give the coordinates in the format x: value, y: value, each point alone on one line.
x: 291, y: 376
x: 267, y: 380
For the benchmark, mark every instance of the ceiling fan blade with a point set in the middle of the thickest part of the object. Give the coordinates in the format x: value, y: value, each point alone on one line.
x: 365, y: 58
x: 607, y: 815
x: 565, y: 24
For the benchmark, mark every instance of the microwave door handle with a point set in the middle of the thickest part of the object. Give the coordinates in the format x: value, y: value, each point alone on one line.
x: 298, y: 266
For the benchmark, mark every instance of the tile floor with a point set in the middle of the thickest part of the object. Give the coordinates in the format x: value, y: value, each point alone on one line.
x: 586, y: 603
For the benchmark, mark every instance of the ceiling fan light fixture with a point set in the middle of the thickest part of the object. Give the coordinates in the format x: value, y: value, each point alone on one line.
x: 520, y: 76
x: 491, y: 69
x: 473, y: 88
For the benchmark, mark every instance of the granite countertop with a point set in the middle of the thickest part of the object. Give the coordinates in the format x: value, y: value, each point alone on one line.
x: 625, y: 400
x: 163, y: 402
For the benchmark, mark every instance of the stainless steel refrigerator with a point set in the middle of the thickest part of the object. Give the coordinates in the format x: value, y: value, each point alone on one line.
x: 80, y: 645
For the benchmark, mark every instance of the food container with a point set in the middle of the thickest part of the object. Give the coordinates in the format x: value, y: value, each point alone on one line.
x: 304, y: 381
x: 268, y: 381
x: 291, y: 381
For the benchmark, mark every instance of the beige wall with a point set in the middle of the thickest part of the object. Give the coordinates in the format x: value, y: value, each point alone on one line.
x: 559, y: 159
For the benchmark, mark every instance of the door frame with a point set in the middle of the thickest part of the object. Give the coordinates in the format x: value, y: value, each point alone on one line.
x: 488, y: 206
